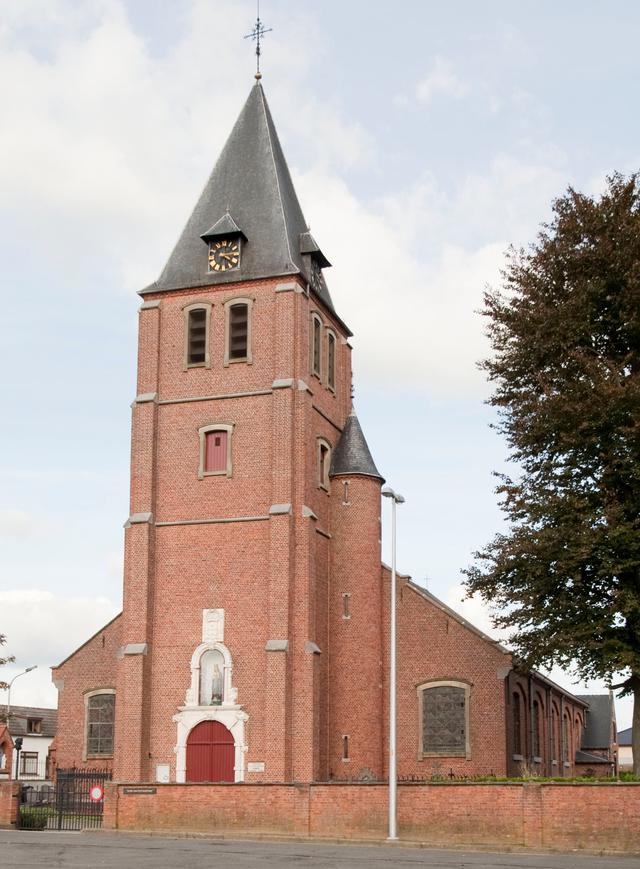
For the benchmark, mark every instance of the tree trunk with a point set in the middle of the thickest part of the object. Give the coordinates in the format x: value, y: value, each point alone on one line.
x: 635, y: 727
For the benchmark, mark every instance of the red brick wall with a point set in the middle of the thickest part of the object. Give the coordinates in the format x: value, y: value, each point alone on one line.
x: 355, y: 673
x: 93, y: 666
x: 572, y: 816
x: 8, y: 803
x: 269, y: 575
x: 434, y: 646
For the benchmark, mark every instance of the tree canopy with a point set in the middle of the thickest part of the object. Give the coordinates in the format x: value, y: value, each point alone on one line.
x: 564, y: 329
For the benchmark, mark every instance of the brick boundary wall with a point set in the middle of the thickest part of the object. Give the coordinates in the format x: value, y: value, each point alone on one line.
x: 534, y: 815
x: 9, y: 795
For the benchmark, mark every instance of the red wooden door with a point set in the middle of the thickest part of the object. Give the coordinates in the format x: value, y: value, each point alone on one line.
x: 210, y: 753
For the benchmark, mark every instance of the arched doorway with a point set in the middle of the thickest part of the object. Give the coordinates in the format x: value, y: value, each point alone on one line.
x: 210, y: 753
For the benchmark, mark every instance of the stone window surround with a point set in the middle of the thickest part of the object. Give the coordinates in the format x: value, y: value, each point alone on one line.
x: 186, y: 310
x: 230, y: 713
x: 323, y: 466
x: 202, y: 432
x: 329, y: 332
x: 87, y: 695
x: 315, y: 317
x: 238, y: 300
x: 444, y: 683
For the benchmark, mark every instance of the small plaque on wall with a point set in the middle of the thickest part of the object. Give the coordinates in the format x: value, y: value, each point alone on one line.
x: 255, y: 766
x: 213, y: 626
x: 163, y: 773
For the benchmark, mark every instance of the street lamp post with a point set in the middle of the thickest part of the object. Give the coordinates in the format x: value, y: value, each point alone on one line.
x: 18, y: 742
x: 28, y: 670
x: 388, y: 492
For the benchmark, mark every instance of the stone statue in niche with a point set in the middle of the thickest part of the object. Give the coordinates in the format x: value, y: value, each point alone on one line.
x: 213, y: 626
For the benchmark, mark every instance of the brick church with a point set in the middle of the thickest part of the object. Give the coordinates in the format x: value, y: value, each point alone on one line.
x: 252, y: 644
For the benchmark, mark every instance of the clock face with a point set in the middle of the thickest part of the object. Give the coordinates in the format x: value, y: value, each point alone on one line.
x: 316, y: 276
x: 224, y: 255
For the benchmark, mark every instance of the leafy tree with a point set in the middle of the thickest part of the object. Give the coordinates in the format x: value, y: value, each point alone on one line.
x: 3, y: 685
x: 565, y: 334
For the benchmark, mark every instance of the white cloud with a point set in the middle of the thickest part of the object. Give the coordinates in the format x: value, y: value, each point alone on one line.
x: 42, y: 628
x: 15, y: 523
x: 441, y: 81
x: 412, y: 267
x: 473, y: 609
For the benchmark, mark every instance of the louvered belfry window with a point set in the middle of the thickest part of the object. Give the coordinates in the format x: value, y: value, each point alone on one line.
x: 331, y: 361
x: 238, y: 331
x: 315, y: 349
x: 196, y: 353
x: 443, y: 720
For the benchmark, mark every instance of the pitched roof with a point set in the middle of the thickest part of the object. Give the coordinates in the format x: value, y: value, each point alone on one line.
x: 600, y: 714
x: 585, y: 757
x: 352, y: 454
x: 250, y: 181
x: 21, y: 714
x: 624, y: 737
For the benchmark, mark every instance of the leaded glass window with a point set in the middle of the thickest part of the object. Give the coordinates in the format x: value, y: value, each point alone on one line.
x: 444, y: 729
x: 535, y: 729
x: 100, y: 722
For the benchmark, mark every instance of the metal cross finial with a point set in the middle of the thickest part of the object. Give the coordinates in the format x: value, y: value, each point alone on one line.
x: 256, y: 34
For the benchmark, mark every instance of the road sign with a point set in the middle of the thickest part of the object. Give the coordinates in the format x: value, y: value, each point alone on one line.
x: 96, y: 793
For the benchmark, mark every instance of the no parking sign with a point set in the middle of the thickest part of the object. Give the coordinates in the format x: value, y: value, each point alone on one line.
x: 96, y: 793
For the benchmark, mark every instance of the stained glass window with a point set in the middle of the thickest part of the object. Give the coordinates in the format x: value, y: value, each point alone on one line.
x: 100, y: 721
x: 444, y: 720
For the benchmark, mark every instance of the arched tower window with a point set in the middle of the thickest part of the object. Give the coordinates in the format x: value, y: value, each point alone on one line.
x: 212, y: 678
x: 324, y: 463
x: 331, y: 361
x: 215, y: 450
x: 196, y: 349
x: 237, y: 345
x: 316, y: 340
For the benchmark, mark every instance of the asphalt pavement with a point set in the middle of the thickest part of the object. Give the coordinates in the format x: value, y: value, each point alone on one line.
x: 131, y: 851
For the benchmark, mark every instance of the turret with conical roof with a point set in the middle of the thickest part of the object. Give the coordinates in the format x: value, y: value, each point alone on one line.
x: 352, y: 454
x: 356, y: 608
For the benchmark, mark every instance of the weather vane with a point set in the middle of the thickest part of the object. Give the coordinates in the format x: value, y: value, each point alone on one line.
x: 256, y: 34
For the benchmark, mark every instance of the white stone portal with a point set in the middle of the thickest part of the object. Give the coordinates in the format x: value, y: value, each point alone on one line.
x: 228, y: 712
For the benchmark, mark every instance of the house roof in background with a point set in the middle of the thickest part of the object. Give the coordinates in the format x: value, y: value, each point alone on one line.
x: 624, y: 737
x: 21, y: 714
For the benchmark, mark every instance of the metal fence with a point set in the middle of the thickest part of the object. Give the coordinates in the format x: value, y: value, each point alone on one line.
x: 73, y: 802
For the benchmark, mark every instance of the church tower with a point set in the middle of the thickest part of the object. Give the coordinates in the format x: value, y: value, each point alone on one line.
x: 255, y: 504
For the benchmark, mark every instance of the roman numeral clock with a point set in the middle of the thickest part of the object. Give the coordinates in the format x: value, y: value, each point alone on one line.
x: 224, y: 255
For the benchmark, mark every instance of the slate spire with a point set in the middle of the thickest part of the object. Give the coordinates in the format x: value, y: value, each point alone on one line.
x: 251, y: 189
x: 352, y: 454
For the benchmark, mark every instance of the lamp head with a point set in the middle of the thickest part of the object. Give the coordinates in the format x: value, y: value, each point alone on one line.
x: 387, y: 492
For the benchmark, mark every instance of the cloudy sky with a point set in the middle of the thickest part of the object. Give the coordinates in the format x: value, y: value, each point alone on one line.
x: 423, y: 138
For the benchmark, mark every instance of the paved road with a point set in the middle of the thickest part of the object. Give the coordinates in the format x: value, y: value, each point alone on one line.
x: 87, y: 850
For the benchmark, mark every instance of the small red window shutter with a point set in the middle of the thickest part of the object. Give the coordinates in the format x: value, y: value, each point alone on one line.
x: 215, y: 451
